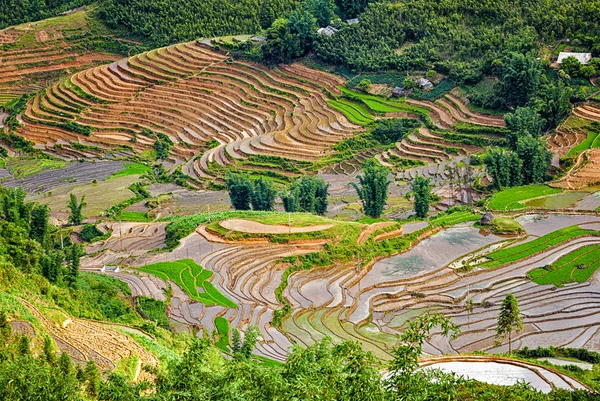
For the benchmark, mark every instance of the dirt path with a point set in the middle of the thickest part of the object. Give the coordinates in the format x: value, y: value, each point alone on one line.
x: 253, y: 227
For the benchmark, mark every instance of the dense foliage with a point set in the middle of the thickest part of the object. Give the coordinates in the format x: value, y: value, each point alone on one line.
x: 394, y: 129
x: 372, y: 188
x: 164, y: 21
x: 13, y: 12
x: 421, y: 192
x: 307, y: 194
x: 244, y: 192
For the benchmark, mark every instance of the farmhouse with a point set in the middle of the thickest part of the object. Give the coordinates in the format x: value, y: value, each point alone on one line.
x: 583, y: 58
x: 398, y: 91
x: 424, y: 83
x: 328, y: 30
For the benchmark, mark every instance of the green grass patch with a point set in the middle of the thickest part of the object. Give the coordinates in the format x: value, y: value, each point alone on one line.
x: 506, y: 226
x: 134, y: 216
x: 556, y: 201
x: 515, y: 253
x: 222, y: 326
x: 577, y: 266
x: 353, y: 111
x: 21, y: 168
x: 592, y: 141
x: 510, y: 198
x: 192, y: 279
x: 454, y: 216
x: 133, y: 169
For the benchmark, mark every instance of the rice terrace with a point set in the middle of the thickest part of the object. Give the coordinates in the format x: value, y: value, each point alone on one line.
x: 299, y: 200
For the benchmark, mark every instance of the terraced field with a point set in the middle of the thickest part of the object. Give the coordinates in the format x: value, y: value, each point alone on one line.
x: 199, y: 99
x: 84, y: 340
x: 37, y: 54
x: 372, y: 304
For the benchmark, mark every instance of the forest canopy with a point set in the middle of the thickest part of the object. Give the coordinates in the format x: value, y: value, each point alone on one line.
x: 13, y: 12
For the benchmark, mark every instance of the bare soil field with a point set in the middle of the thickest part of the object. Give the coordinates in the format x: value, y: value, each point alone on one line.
x: 194, y: 96
x: 253, y: 227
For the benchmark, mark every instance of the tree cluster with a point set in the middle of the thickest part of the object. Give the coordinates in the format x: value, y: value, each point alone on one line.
x: 392, y: 130
x: 165, y: 22
x: 527, y: 160
x: 244, y: 193
x: 13, y: 12
x: 307, y: 194
x: 372, y: 188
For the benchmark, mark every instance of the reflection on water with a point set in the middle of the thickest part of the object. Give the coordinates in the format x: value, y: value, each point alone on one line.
x: 537, y: 224
x: 436, y: 251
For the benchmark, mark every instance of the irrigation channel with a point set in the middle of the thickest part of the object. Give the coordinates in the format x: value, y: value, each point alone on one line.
x: 373, y: 304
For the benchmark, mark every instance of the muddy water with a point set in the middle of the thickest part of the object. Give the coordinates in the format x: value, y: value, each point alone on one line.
x: 434, y: 252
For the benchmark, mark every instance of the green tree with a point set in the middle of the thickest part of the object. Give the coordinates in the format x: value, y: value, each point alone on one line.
x: 372, y: 188
x: 49, y: 354
x: 504, y: 167
x: 571, y: 66
x: 288, y: 38
x: 421, y: 190
x: 74, y: 255
x: 520, y: 78
x: 509, y: 319
x: 390, y: 130
x: 240, y: 191
x: 51, y: 264
x: 14, y: 207
x: 39, y: 223
x: 247, y: 347
x: 162, y: 146
x: 351, y: 8
x: 522, y: 122
x: 535, y: 158
x: 76, y: 207
x: 263, y: 195
x: 92, y: 378
x: 364, y: 85
x: 321, y: 10
x: 307, y: 194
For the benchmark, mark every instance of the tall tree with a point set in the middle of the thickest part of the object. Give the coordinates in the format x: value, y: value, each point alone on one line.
x: 509, y: 319
x: 522, y: 122
x: 520, y: 78
x: 74, y: 255
x: 76, y: 207
x: 421, y: 190
x: 504, y: 167
x: 372, y: 188
x: 263, y: 195
x: 536, y: 159
x: 240, y: 191
x: 307, y: 194
x: 39, y: 223
x: 322, y: 10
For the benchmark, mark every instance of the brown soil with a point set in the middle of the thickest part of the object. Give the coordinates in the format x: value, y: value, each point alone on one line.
x: 253, y: 227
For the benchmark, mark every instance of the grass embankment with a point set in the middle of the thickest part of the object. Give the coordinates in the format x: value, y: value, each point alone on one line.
x: 511, y: 198
x: 519, y: 252
x: 506, y: 226
x: 190, y: 277
x: 577, y: 266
